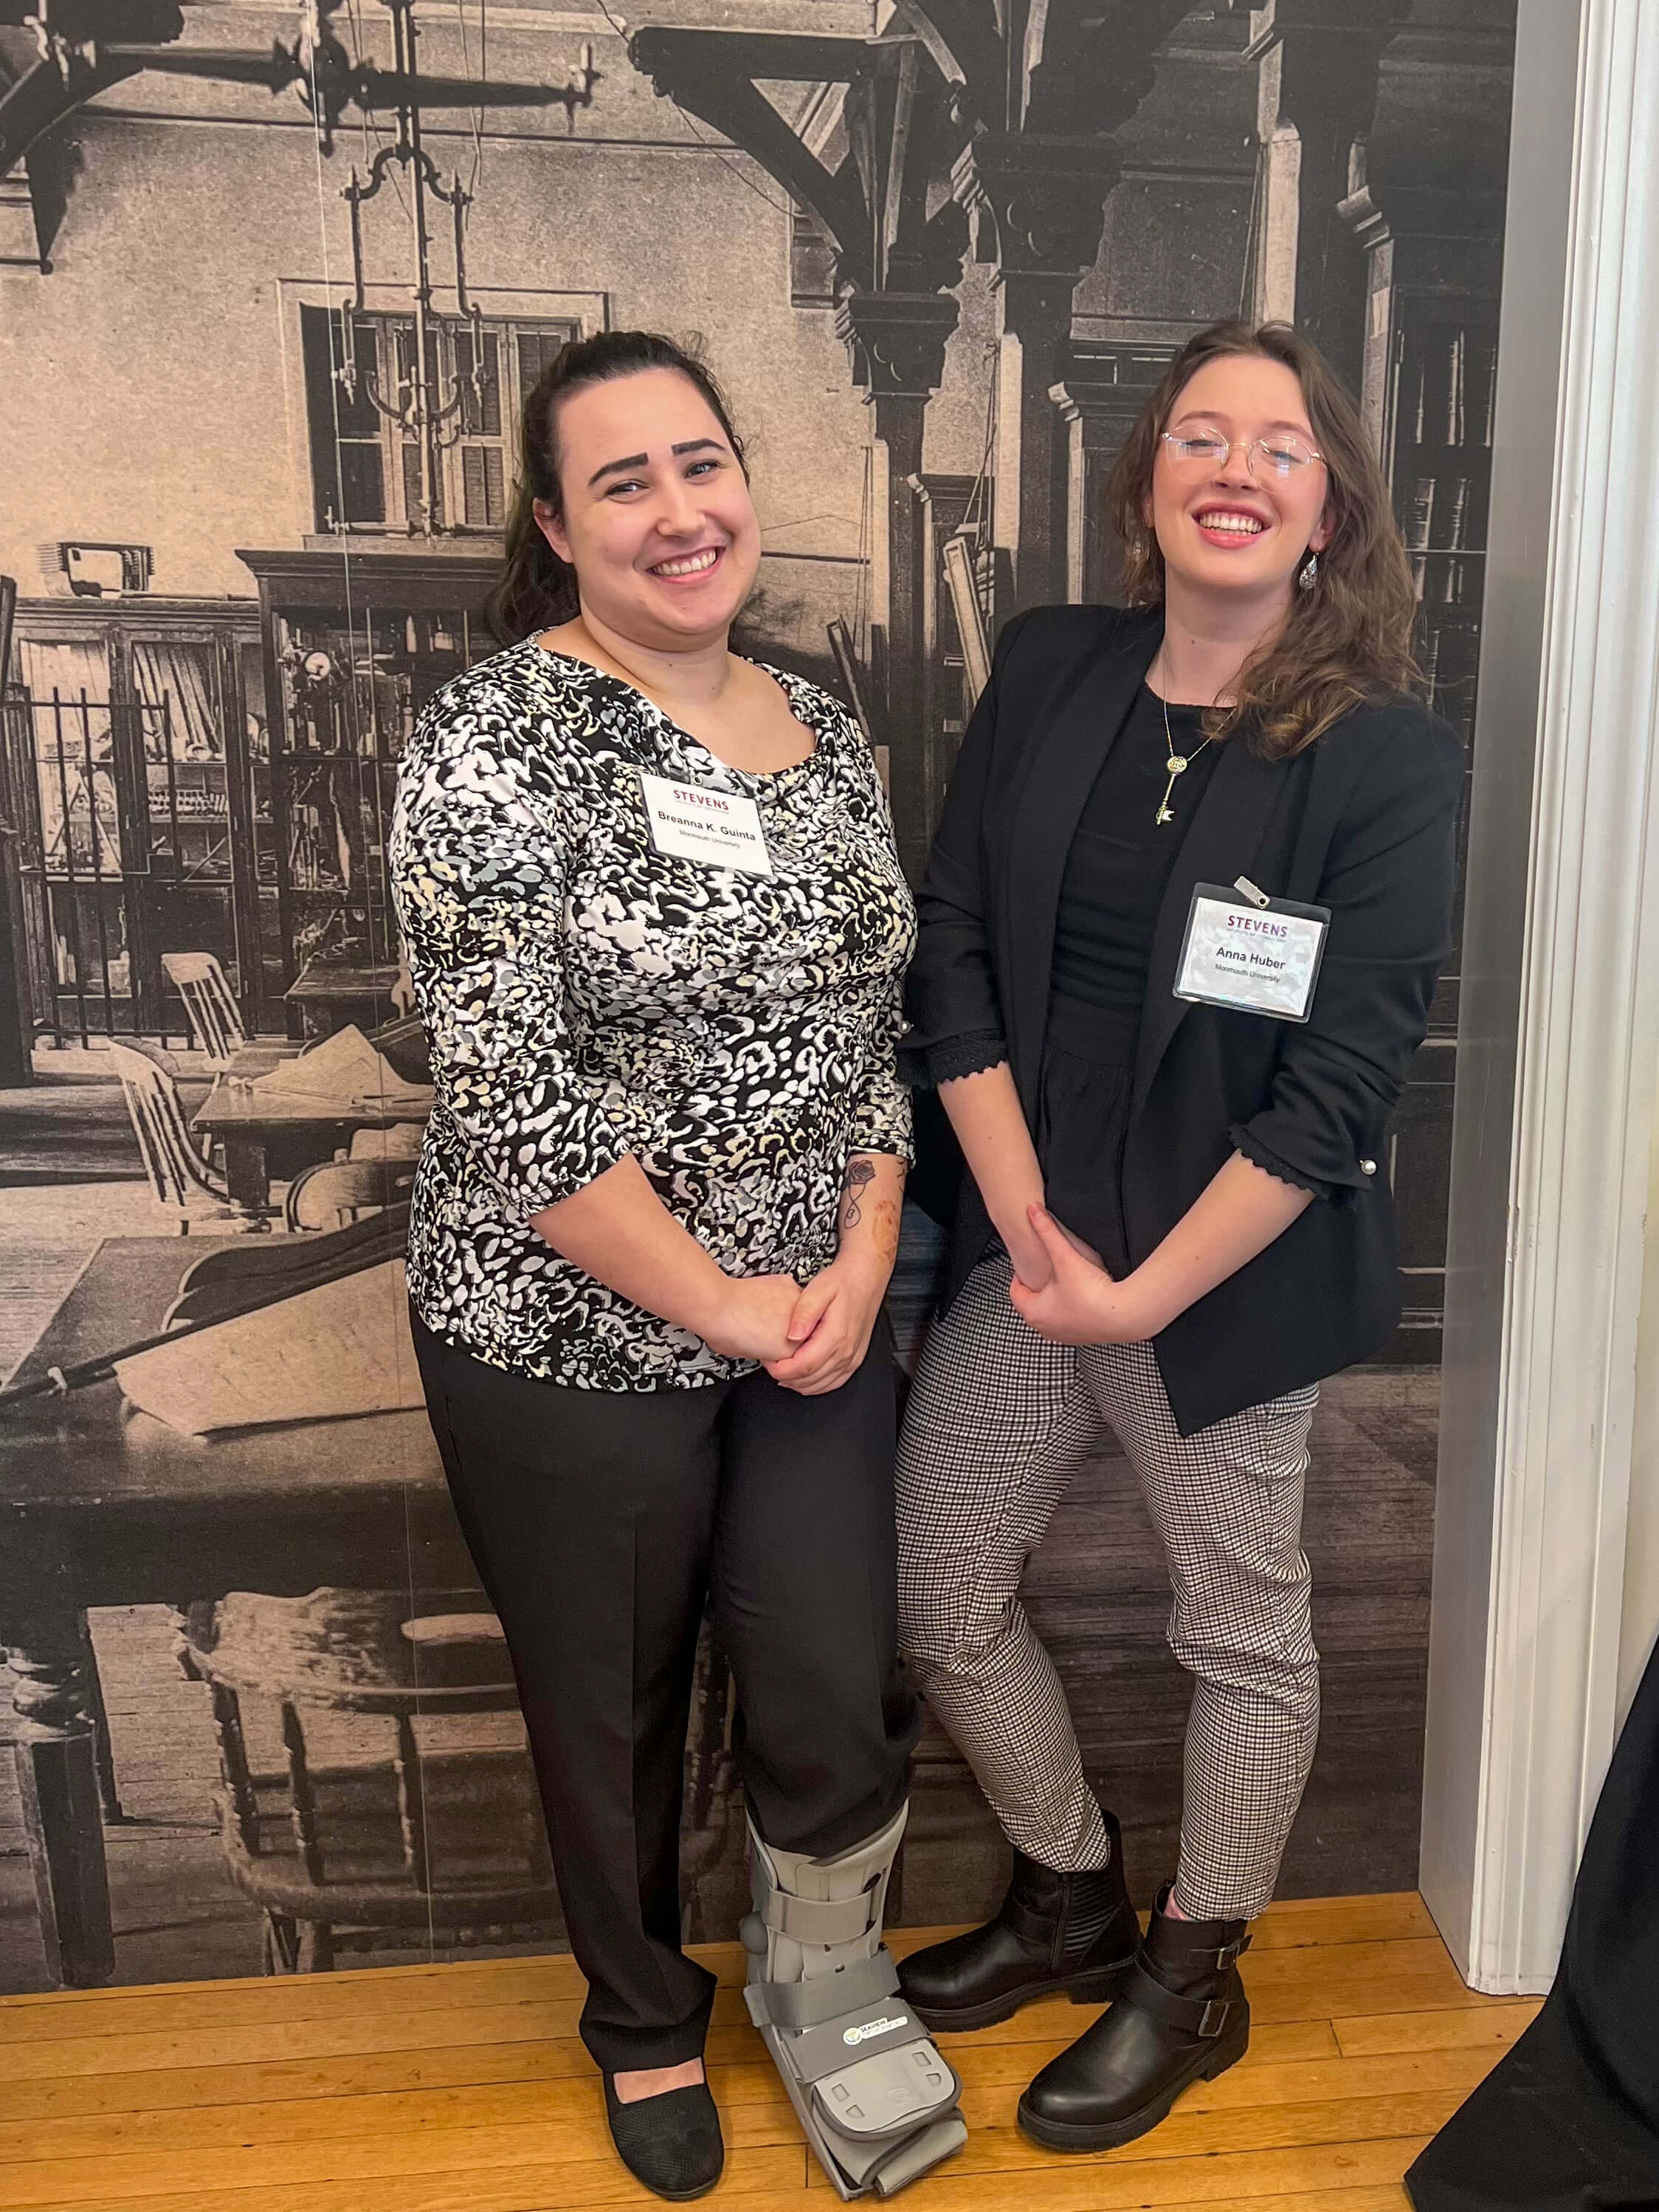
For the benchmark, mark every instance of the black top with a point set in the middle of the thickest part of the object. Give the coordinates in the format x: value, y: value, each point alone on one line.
x: 1120, y: 861
x: 1363, y: 821
x: 1121, y: 856
x: 1115, y: 870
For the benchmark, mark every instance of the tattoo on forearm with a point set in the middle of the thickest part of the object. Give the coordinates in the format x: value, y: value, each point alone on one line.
x: 860, y: 1173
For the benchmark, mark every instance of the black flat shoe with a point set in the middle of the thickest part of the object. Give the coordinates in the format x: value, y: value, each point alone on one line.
x: 1182, y: 2017
x: 671, y: 2142
x: 1071, y: 1935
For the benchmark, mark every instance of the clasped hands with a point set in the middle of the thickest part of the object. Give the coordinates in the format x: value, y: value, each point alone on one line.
x: 813, y: 1339
x: 810, y: 1339
x: 1078, y: 1302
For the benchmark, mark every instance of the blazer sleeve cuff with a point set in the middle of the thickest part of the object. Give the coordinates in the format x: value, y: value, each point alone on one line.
x: 1273, y: 1164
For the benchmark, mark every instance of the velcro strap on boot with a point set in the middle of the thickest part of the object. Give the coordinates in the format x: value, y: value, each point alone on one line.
x: 797, y: 2005
x: 917, y: 2155
x: 816, y: 2053
x: 821, y: 1920
x: 1201, y: 2016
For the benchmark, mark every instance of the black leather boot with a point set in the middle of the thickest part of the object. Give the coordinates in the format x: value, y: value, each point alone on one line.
x: 1182, y: 2017
x: 1073, y: 1934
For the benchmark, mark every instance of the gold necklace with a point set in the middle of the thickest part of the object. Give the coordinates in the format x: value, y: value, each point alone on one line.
x: 1177, y: 763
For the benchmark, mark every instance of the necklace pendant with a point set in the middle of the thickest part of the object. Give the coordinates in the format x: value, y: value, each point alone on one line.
x: 1176, y: 764
x: 1163, y: 815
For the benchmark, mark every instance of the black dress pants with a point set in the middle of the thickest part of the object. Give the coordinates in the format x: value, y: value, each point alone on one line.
x: 600, y: 1522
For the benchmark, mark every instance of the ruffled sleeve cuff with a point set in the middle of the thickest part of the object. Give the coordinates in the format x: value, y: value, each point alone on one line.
x: 1260, y: 1156
x: 926, y: 1067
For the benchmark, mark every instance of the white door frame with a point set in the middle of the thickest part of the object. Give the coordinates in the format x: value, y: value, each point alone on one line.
x: 1559, y: 1036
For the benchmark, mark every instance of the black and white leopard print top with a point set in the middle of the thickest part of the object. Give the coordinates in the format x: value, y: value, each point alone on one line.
x: 586, y: 997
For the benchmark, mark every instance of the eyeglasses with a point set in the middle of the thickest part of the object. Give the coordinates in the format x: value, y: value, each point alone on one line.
x: 1280, y: 451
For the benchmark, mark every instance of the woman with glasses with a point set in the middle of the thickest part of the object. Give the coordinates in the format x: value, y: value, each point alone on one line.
x: 1180, y: 931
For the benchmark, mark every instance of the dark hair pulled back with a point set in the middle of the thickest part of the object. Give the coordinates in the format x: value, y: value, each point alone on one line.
x: 538, y: 589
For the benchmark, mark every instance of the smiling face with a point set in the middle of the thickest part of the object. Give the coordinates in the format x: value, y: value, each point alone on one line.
x: 1234, y: 524
x: 657, y: 520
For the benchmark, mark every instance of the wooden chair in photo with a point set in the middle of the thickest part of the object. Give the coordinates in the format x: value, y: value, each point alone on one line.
x: 338, y: 1193
x: 180, y: 1174
x: 402, y: 1141
x: 376, y: 1784
x: 210, y: 1008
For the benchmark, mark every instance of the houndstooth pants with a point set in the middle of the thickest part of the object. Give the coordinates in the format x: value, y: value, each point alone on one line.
x: 999, y: 1422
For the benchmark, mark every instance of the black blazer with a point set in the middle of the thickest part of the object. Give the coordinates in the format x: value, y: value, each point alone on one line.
x: 1364, y: 821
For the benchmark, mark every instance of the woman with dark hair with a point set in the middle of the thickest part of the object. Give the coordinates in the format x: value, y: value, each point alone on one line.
x: 1180, y: 931
x: 656, y: 927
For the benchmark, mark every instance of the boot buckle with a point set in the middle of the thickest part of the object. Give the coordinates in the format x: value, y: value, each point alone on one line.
x: 1213, y: 2018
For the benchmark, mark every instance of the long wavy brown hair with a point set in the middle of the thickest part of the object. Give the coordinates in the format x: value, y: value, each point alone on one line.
x: 1346, y: 640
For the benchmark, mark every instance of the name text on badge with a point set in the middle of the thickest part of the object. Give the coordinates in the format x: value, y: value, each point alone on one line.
x: 721, y: 828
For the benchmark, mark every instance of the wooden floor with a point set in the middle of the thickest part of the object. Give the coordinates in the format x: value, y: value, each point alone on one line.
x: 463, y: 2088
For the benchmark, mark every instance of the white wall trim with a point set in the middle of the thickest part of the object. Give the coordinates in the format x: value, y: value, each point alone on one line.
x: 1538, y: 1408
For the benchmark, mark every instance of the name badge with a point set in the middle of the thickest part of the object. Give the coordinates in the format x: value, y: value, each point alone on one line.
x: 721, y: 827
x: 1256, y: 954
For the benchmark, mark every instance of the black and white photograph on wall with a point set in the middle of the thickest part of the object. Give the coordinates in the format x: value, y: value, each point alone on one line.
x: 274, y: 279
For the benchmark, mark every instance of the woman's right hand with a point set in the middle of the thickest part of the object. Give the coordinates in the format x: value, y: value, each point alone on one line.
x: 1033, y: 1263
x: 751, y: 1318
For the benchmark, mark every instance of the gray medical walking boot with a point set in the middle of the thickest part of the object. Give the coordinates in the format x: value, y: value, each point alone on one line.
x: 878, y: 2101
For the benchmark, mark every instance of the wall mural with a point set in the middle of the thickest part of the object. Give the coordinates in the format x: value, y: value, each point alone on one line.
x: 272, y: 281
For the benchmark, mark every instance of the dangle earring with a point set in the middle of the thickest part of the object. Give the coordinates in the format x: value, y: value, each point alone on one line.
x: 1308, y: 573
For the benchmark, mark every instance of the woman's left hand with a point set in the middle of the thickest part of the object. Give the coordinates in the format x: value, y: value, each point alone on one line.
x: 834, y: 1319
x: 1080, y: 1303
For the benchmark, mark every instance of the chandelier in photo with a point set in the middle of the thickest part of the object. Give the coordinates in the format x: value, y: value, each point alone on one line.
x: 414, y: 391
x: 425, y: 404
